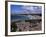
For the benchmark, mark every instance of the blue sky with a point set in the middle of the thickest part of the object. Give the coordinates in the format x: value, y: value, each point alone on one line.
x: 21, y: 9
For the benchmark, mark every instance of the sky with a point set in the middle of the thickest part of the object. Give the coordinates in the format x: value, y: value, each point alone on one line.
x: 25, y: 9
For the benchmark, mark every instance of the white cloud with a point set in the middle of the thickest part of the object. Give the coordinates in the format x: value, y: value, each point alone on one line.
x: 28, y: 7
x: 31, y: 9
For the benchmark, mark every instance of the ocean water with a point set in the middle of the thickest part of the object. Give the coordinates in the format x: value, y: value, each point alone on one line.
x: 15, y: 17
x: 24, y: 17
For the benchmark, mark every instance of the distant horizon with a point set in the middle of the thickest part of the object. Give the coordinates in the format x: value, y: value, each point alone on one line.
x: 27, y: 14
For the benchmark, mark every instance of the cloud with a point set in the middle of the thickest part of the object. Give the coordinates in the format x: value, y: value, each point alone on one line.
x: 27, y: 9
x: 31, y: 9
